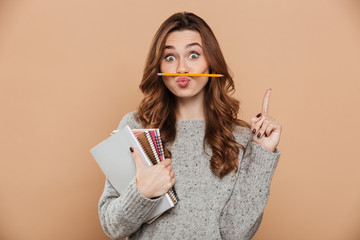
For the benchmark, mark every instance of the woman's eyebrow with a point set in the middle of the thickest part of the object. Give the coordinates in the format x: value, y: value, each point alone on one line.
x: 193, y: 44
x: 187, y: 46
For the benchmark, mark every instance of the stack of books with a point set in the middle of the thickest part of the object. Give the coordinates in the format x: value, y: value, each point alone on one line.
x: 115, y: 160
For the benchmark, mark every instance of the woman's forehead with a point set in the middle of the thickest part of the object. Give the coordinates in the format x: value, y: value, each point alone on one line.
x: 181, y: 39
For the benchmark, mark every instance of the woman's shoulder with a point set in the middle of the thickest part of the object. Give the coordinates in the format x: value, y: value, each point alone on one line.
x: 130, y: 120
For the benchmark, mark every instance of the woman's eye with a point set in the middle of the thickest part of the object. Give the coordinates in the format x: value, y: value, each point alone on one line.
x: 194, y: 55
x: 170, y: 58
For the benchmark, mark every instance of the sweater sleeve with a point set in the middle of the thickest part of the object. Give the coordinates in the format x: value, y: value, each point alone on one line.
x: 121, y: 215
x: 242, y: 215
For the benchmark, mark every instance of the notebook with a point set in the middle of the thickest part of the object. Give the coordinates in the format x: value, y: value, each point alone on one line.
x: 116, y: 161
x: 150, y: 141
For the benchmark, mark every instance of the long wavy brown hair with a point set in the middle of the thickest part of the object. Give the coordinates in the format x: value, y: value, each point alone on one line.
x: 157, y: 109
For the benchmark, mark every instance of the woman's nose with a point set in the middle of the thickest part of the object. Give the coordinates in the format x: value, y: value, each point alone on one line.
x: 182, y: 66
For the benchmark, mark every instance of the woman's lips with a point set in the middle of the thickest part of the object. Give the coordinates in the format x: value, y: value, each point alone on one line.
x: 183, y: 81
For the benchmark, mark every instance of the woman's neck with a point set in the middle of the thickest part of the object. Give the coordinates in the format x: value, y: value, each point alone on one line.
x: 190, y: 109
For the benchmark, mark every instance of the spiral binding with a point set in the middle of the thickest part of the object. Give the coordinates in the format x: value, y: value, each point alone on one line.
x: 158, y: 139
x: 152, y: 146
x: 154, y: 157
x: 172, y: 193
x: 142, y: 140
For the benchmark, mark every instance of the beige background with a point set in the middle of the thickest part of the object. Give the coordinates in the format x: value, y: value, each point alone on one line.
x: 70, y: 70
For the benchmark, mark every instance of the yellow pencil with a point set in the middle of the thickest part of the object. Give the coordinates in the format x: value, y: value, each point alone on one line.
x: 190, y: 74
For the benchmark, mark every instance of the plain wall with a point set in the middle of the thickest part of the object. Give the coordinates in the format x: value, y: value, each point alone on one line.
x: 70, y: 70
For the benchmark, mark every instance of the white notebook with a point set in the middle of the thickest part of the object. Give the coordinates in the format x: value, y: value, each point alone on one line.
x: 115, y: 160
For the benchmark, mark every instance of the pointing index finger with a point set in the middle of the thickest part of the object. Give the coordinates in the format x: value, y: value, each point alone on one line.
x: 265, y: 106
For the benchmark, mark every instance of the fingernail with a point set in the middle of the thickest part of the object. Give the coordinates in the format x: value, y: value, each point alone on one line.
x: 259, y: 115
x: 131, y: 149
x: 254, y: 131
x: 258, y: 135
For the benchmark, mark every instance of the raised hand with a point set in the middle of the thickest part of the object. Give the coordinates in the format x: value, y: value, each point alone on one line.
x: 265, y: 129
x: 153, y: 181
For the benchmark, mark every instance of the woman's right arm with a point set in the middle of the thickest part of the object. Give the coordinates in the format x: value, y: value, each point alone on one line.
x: 121, y: 215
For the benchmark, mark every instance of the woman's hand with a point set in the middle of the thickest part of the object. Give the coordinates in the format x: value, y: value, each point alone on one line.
x: 153, y: 181
x: 266, y: 130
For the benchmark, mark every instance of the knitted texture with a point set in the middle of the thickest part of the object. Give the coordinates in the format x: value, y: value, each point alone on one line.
x: 209, y: 207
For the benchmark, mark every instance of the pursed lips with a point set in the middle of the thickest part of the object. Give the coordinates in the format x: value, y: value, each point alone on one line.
x: 183, y: 81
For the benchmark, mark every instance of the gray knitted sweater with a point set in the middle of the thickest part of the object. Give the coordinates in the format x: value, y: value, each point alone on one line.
x: 209, y: 207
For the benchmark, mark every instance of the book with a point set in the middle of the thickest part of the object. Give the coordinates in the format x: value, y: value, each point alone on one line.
x: 116, y: 162
x: 152, y: 146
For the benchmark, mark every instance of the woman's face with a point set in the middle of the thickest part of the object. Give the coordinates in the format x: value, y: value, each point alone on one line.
x: 184, y: 53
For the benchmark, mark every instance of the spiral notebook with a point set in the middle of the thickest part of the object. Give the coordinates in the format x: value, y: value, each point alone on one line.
x: 116, y: 161
x: 150, y: 141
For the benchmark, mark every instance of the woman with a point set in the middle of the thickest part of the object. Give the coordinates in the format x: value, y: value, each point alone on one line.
x: 223, y: 168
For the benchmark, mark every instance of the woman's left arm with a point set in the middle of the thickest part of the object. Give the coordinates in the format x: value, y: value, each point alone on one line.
x: 241, y: 216
x: 243, y: 212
